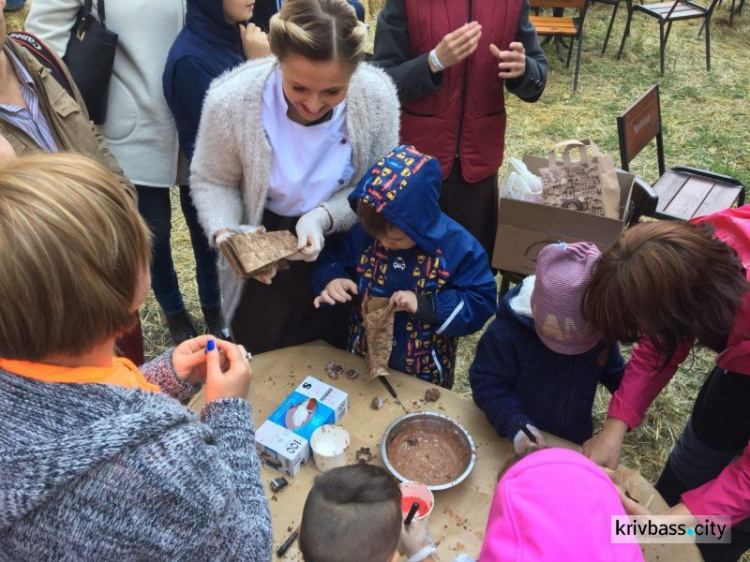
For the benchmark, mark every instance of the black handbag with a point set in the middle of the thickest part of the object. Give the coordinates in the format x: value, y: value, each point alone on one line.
x: 90, y: 57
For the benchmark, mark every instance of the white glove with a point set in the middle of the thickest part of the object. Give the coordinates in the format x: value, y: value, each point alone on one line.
x: 224, y: 234
x: 416, y: 542
x: 523, y: 445
x: 311, y: 229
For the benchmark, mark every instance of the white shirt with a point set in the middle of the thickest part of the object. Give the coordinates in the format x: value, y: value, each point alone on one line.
x: 309, y: 163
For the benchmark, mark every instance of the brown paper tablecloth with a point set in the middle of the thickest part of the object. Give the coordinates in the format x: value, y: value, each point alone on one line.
x: 460, y: 515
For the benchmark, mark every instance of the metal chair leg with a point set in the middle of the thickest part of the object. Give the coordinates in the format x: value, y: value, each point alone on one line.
x: 708, y: 44
x: 661, y: 46
x: 609, y: 29
x: 570, y: 52
x: 626, y: 32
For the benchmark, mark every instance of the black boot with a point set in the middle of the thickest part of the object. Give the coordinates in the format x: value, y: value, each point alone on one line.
x: 215, y: 323
x: 181, y: 327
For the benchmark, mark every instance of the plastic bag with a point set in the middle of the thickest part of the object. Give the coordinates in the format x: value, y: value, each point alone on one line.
x: 520, y: 183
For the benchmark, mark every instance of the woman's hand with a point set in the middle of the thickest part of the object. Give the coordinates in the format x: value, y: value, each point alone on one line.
x: 458, y: 44
x: 311, y: 228
x: 337, y: 291
x: 605, y: 447
x: 404, y: 301
x: 227, y: 378
x: 254, y: 42
x: 512, y: 63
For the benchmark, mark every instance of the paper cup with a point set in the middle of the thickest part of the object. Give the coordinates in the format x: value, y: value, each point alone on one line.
x: 416, y: 492
x: 329, y: 444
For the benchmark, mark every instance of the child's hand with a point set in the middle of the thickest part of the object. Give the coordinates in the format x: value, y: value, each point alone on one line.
x: 338, y: 290
x: 189, y: 360
x: 416, y: 542
x: 230, y: 380
x: 404, y: 301
x: 523, y: 445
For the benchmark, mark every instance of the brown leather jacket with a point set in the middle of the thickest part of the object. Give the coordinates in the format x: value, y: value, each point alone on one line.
x: 67, y: 118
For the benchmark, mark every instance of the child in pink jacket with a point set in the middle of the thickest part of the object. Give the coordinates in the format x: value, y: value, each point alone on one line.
x: 555, y: 504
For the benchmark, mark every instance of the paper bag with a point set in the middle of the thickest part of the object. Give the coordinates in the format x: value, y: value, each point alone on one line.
x: 589, y: 184
x: 257, y: 253
x: 378, y: 318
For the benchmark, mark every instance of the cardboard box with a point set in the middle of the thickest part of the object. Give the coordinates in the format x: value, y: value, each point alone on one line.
x: 524, y: 228
x: 283, y: 439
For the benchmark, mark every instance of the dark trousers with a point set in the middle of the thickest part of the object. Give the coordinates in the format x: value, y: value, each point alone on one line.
x: 155, y: 207
x: 718, y: 430
x: 282, y: 314
x: 472, y: 205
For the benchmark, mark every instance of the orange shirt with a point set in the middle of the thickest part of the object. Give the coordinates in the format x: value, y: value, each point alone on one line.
x: 122, y: 372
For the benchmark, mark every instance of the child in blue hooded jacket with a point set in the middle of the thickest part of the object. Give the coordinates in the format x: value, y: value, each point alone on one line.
x: 405, y: 248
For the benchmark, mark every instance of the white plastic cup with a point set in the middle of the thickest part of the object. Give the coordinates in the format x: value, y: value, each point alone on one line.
x: 329, y: 444
x: 421, y: 493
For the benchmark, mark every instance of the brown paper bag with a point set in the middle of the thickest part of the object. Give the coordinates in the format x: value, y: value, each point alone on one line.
x: 588, y: 184
x: 257, y: 253
x: 378, y: 319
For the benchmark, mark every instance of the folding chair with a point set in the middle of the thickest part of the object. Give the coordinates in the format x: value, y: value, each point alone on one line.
x: 667, y: 13
x: 684, y: 192
x: 562, y: 26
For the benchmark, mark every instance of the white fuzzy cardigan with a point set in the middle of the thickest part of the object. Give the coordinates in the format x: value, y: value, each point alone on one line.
x: 232, y: 160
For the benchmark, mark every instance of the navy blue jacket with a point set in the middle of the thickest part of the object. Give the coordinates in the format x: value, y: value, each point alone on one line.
x: 206, y: 48
x: 447, y: 268
x: 516, y: 379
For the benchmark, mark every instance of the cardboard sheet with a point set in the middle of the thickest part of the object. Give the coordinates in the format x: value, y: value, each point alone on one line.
x: 256, y: 254
x: 460, y: 515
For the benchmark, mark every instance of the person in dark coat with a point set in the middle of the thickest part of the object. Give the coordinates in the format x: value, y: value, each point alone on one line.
x: 215, y: 39
x: 539, y: 362
x: 452, y: 91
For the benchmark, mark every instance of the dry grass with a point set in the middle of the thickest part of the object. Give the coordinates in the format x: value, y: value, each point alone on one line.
x: 707, y: 124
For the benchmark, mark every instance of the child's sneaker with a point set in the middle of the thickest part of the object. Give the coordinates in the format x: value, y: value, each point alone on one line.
x: 215, y: 323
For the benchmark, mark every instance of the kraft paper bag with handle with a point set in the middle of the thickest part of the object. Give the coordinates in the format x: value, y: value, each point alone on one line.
x: 258, y: 253
x: 378, y: 319
x: 589, y: 184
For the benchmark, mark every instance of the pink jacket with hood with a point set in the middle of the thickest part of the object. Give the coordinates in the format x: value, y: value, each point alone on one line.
x: 555, y: 504
x: 729, y: 493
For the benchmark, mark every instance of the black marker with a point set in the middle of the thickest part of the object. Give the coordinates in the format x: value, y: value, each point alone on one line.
x: 528, y: 433
x: 388, y: 386
x: 412, y: 513
x: 287, y: 543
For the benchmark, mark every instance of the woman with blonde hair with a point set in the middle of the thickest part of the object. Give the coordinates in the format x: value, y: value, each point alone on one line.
x: 99, y: 459
x: 671, y: 286
x: 281, y: 143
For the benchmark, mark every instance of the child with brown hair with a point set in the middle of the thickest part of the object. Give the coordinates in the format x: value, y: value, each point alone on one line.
x: 358, y: 509
x: 435, y: 273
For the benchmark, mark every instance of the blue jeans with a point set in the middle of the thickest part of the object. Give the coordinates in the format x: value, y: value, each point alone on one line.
x: 155, y: 207
x: 13, y: 5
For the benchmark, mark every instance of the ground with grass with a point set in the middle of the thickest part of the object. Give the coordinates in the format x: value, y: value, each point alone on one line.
x: 706, y: 118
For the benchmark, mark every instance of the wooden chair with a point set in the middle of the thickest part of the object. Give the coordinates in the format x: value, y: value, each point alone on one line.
x: 562, y: 26
x: 683, y: 192
x: 643, y: 201
x: 667, y: 13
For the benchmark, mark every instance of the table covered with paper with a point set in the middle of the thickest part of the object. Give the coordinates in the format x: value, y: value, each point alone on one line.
x: 460, y: 515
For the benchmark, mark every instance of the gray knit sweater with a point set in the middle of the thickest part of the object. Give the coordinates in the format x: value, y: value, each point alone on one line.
x: 100, y: 472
